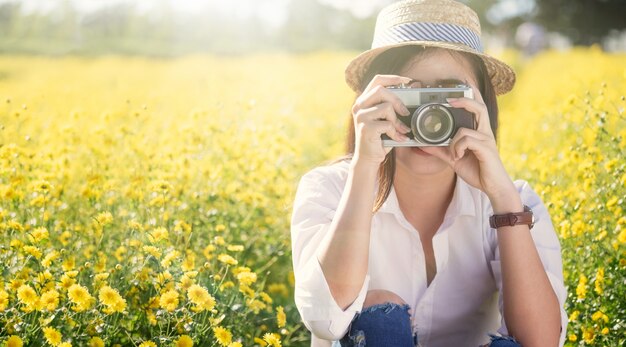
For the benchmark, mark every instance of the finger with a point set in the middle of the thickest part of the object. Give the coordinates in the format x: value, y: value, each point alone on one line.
x: 478, y: 148
x: 463, y: 132
x: 381, y: 127
x: 377, y: 95
x: 385, y: 81
x: 382, y: 111
x: 479, y: 110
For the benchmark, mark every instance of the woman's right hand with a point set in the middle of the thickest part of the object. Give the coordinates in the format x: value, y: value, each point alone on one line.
x: 375, y: 113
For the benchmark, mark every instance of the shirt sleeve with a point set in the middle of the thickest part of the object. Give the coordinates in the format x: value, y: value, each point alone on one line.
x: 549, y: 250
x: 316, y: 201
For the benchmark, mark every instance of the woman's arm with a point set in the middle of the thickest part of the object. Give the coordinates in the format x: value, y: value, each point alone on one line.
x: 531, y: 308
x: 343, y: 254
x: 344, y: 251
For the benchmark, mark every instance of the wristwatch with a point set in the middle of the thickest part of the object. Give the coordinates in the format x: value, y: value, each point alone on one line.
x: 510, y: 219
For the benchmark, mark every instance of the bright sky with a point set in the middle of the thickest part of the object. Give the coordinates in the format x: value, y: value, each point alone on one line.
x: 272, y: 11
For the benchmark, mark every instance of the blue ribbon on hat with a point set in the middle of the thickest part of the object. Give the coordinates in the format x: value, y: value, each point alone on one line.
x: 423, y: 31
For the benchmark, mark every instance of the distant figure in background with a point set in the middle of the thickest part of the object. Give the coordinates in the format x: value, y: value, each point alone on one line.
x: 531, y: 38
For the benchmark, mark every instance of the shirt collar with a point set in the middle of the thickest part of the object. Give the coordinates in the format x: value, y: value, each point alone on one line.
x: 462, y: 202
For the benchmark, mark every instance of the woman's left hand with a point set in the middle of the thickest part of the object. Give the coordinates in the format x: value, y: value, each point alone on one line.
x: 473, y: 154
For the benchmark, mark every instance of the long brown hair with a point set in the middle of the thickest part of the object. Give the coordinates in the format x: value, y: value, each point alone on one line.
x: 392, y: 62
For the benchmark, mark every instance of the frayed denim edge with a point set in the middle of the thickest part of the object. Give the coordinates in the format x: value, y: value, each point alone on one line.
x: 503, y: 337
x: 387, y: 306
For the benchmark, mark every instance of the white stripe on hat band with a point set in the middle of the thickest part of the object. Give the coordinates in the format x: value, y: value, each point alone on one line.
x: 422, y: 31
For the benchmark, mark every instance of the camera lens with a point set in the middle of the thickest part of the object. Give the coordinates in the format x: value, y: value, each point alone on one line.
x: 432, y: 123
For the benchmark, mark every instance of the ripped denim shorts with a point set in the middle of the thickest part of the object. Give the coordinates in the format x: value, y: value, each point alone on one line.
x: 389, y: 324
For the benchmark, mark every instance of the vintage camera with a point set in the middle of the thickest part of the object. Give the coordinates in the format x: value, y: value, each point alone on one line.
x: 433, y: 121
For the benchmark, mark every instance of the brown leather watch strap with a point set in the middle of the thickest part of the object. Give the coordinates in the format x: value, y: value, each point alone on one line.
x: 510, y: 219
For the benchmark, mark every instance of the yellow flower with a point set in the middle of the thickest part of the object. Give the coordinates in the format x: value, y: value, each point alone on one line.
x: 38, y: 234
x: 154, y: 251
x: 223, y: 336
x: 64, y: 238
x: 207, y: 251
x: 14, y: 341
x: 47, y: 260
x: 32, y: 250
x: 64, y: 344
x: 50, y: 299
x: 67, y: 281
x: 588, y: 335
x: 160, y: 186
x: 158, y: 234
x: 42, y: 186
x: 167, y: 260
x: 184, y: 341
x: 96, y: 342
x: 169, y: 300
x: 246, y: 278
x: 135, y: 225
x: 119, y: 253
x: 201, y: 297
x: 235, y: 248
x: 52, y: 335
x: 15, y: 225
x: 148, y: 344
x: 69, y: 263
x: 219, y: 240
x: 112, y: 299
x: 235, y: 344
x: 151, y: 318
x: 104, y: 218
x: 272, y: 339
x: 266, y: 297
x: 281, y: 318
x: 189, y: 262
x: 581, y: 289
x: 246, y: 290
x: 185, y: 282
x: 80, y: 296
x: 255, y: 305
x: 260, y: 342
x: 599, y: 281
x: 4, y: 300
x: 227, y: 259
x: 572, y: 337
x: 27, y: 295
x: 101, y: 277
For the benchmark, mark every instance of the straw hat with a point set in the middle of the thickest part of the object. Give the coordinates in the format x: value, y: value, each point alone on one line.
x: 429, y: 23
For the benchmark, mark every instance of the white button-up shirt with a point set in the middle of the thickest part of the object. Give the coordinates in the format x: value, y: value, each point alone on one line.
x: 463, y: 302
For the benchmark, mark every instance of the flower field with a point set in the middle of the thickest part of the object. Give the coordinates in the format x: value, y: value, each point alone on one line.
x: 146, y: 202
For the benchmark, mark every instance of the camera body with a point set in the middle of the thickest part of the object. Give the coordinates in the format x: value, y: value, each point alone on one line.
x: 433, y: 121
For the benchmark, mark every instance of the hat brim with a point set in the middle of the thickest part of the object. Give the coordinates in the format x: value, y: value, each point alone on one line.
x: 502, y: 75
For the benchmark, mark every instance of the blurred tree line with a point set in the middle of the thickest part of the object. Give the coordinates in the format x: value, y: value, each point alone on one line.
x: 163, y: 31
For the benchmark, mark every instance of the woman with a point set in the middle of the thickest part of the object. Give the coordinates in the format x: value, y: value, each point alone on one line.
x: 394, y: 246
